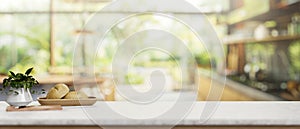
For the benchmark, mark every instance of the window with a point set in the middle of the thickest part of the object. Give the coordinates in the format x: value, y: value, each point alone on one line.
x: 26, y: 30
x: 24, y: 41
x: 43, y: 34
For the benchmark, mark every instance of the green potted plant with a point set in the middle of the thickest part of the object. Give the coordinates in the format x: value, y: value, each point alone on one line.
x: 20, y: 86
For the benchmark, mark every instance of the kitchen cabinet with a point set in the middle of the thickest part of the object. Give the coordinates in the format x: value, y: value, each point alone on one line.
x: 229, y: 94
x: 231, y: 91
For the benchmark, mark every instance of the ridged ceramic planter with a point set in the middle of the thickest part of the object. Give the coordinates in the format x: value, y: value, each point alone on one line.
x: 19, y: 97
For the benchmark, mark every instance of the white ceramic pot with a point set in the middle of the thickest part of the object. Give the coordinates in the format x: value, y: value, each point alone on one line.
x: 19, y: 97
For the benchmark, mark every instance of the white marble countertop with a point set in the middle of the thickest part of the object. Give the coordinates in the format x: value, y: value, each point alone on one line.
x: 227, y: 113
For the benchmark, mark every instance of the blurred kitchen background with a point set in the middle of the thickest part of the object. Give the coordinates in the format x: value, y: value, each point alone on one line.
x: 261, y: 40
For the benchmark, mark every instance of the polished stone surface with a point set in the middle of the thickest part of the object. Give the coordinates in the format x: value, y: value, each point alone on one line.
x: 227, y: 113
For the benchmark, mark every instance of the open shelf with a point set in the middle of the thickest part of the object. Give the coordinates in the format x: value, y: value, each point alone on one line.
x: 273, y: 13
x: 265, y: 40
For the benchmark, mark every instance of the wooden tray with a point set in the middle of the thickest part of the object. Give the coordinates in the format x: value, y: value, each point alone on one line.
x: 68, y: 102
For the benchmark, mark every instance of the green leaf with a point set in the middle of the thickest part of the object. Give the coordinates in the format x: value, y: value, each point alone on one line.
x: 28, y: 71
x: 4, y: 81
x: 12, y: 73
x: 17, y: 93
x: 20, y: 80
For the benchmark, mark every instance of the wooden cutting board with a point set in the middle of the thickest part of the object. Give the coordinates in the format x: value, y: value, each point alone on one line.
x: 34, y: 108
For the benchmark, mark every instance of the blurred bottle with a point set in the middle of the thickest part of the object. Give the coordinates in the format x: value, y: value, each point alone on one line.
x: 108, y: 89
x: 294, y: 26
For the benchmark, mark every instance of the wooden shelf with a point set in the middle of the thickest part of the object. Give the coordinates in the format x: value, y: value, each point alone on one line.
x: 274, y: 13
x: 265, y: 40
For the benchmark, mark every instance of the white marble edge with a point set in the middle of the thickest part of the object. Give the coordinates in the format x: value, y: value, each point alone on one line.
x: 228, y: 113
